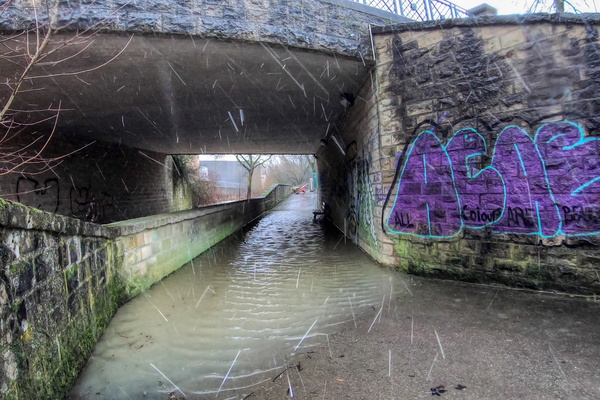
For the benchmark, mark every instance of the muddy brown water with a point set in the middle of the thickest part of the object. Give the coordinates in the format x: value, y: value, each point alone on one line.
x: 232, y: 317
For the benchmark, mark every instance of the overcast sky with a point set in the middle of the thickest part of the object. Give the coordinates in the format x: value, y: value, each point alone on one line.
x: 520, y: 6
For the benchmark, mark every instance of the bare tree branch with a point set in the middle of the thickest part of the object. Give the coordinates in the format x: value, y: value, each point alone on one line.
x: 556, y: 6
x: 250, y: 162
x: 35, y: 48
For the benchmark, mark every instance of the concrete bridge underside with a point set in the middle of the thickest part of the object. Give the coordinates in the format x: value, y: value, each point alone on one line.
x: 179, y: 94
x: 196, y: 76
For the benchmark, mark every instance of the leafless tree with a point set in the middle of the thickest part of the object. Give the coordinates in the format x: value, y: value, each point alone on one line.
x: 30, y: 52
x: 250, y: 162
x: 559, y: 6
x: 291, y: 169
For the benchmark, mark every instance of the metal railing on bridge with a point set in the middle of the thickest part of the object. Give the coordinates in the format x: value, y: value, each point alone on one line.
x: 419, y: 10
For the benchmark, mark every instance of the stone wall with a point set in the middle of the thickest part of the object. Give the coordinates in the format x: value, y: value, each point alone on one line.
x: 58, y: 287
x: 153, y: 247
x: 350, y: 173
x: 99, y: 182
x: 337, y: 26
x: 62, y: 279
x: 488, y: 167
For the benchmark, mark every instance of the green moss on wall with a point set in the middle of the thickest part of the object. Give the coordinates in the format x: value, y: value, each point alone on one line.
x: 45, y: 359
x: 49, y: 364
x: 401, y: 247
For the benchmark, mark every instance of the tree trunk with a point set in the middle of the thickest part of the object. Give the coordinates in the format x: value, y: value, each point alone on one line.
x: 249, y: 191
x: 559, y: 6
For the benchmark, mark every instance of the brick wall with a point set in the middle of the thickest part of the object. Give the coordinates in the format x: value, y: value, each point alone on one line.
x: 495, y: 128
x: 486, y: 162
x: 351, y: 175
x: 99, y: 182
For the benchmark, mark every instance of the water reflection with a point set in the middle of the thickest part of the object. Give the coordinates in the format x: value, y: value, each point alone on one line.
x: 230, y: 318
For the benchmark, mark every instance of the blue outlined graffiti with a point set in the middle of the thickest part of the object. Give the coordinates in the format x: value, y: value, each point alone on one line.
x: 429, y: 205
x: 547, y: 185
x: 572, y: 165
x: 481, y: 192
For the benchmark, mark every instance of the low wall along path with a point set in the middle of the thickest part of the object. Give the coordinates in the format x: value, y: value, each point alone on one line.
x: 62, y: 280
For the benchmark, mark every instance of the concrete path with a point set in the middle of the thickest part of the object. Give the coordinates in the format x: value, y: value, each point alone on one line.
x: 455, y: 341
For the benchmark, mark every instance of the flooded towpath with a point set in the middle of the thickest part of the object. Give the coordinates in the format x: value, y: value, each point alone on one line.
x: 233, y: 316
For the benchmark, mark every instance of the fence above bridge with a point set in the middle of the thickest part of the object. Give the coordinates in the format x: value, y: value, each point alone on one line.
x: 419, y: 10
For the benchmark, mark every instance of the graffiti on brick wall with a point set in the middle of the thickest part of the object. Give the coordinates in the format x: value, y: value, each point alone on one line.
x: 89, y: 205
x: 545, y: 185
x: 380, y: 190
x: 84, y: 203
x: 43, y: 195
x: 361, y: 192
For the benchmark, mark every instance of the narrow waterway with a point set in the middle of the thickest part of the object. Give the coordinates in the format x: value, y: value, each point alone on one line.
x: 232, y: 317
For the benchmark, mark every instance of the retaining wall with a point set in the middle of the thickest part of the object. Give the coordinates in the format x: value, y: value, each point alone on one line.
x: 58, y: 290
x: 486, y: 165
x: 62, y: 279
x: 153, y: 247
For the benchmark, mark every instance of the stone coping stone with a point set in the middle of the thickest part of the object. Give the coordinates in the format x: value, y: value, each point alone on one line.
x: 476, y: 22
x: 19, y: 216
x: 136, y: 225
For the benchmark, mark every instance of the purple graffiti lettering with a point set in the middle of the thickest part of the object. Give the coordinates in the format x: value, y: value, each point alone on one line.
x: 426, y: 203
x: 546, y: 186
x: 522, y: 168
x: 472, y: 182
x: 573, y: 170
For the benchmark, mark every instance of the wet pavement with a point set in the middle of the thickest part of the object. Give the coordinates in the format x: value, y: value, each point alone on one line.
x: 289, y: 310
x: 456, y: 341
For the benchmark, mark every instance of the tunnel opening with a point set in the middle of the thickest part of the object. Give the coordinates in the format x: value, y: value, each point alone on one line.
x: 218, y: 178
x: 416, y: 160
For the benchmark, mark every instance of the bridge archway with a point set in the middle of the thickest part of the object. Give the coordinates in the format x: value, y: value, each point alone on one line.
x: 158, y: 80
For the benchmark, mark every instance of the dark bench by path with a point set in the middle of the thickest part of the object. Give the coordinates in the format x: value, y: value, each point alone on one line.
x: 319, y: 211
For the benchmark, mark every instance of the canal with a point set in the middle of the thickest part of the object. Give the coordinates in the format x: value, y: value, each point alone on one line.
x: 234, y: 316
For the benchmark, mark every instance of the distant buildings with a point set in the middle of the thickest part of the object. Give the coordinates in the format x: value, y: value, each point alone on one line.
x: 230, y: 177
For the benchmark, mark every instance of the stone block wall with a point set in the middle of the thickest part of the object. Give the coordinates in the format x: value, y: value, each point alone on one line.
x: 337, y: 26
x: 498, y: 158
x: 57, y: 294
x: 62, y: 279
x: 489, y: 157
x: 273, y: 196
x: 151, y: 248
x: 350, y: 174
